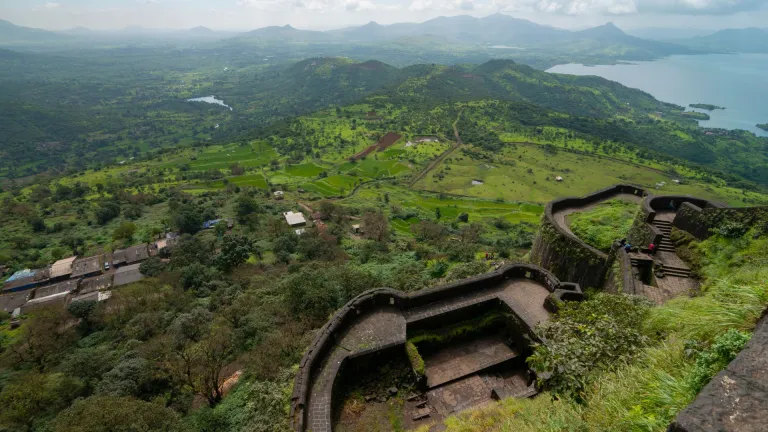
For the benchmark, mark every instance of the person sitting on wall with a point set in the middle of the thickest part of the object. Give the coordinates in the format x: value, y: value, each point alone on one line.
x: 651, y: 249
x: 622, y: 242
x: 628, y: 247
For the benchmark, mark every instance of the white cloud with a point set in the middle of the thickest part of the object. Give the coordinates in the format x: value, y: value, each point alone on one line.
x: 359, y: 5
x: 465, y: 5
x: 47, y: 6
x: 625, y: 7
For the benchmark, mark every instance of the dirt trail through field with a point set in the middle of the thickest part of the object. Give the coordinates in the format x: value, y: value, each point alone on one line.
x: 442, y: 156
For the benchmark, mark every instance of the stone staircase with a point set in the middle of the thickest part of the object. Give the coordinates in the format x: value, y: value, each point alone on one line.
x: 666, y: 229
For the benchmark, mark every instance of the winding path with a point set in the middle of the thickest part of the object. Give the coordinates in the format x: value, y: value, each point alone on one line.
x: 443, y: 155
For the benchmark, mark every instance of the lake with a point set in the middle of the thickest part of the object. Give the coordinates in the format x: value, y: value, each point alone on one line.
x: 738, y: 82
x: 211, y: 100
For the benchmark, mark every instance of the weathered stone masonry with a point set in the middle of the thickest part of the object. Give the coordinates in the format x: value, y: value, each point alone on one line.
x: 567, y: 256
x: 374, y: 323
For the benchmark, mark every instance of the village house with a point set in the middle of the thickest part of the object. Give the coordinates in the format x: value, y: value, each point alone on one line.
x: 62, y: 269
x: 89, y: 266
x: 49, y: 294
x: 26, y: 279
x: 130, y: 255
x: 96, y: 283
x: 127, y: 274
x: 295, y: 219
x: 279, y: 195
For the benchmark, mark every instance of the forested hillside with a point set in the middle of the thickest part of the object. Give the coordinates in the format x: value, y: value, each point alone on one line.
x: 93, y: 109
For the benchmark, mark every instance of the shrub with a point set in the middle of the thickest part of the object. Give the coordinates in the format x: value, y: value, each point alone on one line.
x: 465, y: 270
x: 415, y: 358
x: 711, y: 361
x: 732, y: 229
x: 583, y: 338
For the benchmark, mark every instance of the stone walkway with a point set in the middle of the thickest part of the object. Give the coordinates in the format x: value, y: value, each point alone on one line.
x: 386, y: 327
x: 465, y: 358
x: 524, y: 296
x: 381, y: 328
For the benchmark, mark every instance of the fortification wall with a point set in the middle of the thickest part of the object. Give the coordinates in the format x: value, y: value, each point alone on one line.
x: 701, y: 221
x: 324, y: 343
x: 558, y: 250
x: 643, y: 232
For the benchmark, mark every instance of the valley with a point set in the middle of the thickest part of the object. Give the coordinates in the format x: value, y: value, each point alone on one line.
x: 409, y: 226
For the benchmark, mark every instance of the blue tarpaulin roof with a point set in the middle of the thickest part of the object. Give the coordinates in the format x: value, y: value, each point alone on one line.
x: 210, y: 223
x: 21, y: 274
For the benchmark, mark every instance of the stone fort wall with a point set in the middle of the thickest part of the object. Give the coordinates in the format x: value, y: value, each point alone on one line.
x: 700, y: 222
x: 325, y: 341
x: 567, y: 256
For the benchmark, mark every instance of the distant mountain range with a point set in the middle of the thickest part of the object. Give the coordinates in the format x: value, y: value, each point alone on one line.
x: 747, y: 40
x: 493, y: 31
x: 10, y: 32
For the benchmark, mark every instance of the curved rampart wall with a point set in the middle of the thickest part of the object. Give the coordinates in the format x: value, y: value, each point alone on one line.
x: 643, y: 232
x: 558, y: 250
x: 325, y: 340
x: 701, y: 221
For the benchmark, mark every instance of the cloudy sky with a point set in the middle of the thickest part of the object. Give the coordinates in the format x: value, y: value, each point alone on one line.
x: 325, y: 14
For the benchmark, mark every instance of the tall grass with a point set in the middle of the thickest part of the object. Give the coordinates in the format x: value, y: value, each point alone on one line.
x: 646, y: 394
x: 729, y: 303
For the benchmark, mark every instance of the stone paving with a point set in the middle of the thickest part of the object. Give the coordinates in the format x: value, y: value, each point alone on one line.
x: 524, y: 296
x: 380, y: 328
x: 465, y: 358
x: 386, y: 327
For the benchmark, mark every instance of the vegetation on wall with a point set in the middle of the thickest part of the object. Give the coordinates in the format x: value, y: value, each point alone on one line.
x: 690, y: 340
x: 601, y: 226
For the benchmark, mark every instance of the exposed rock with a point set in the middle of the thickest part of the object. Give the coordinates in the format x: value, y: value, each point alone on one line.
x: 392, y: 391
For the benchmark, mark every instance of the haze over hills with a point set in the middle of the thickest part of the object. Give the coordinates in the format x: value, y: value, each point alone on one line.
x: 11, y: 33
x: 747, y: 40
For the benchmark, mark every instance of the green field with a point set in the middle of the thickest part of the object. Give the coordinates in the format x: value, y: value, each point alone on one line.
x: 528, y: 173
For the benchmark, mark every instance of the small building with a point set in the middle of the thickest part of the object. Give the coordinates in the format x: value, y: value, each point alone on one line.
x: 13, y: 300
x: 558, y: 178
x: 295, y: 219
x: 279, y: 195
x: 96, y: 283
x: 38, y: 302
x: 300, y: 231
x: 212, y: 223
x: 62, y: 269
x: 126, y: 275
x: 55, y: 289
x: 130, y: 255
x: 89, y: 266
x: 50, y: 294
x: 356, y: 229
x: 96, y: 296
x: 26, y: 279
x: 319, y: 216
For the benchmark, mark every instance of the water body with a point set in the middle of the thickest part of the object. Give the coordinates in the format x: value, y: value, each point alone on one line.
x: 210, y: 100
x: 737, y: 82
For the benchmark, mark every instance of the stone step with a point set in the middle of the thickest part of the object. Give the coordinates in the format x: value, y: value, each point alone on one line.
x: 677, y: 274
x: 662, y: 222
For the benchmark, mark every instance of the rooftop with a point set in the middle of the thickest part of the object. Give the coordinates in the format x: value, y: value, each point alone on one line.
x: 127, y: 274
x: 294, y: 219
x: 84, y: 266
x: 62, y: 267
x: 55, y: 289
x: 130, y: 255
